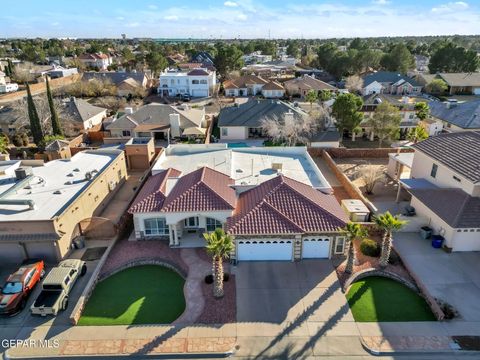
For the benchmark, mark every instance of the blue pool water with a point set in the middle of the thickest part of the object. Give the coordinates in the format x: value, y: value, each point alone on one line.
x: 237, y: 145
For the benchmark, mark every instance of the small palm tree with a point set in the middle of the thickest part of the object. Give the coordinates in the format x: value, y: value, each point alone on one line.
x: 352, y: 231
x: 219, y: 246
x: 388, y: 223
x: 311, y: 97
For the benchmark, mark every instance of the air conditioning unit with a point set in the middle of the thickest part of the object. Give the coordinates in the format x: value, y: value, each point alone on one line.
x: 277, y: 166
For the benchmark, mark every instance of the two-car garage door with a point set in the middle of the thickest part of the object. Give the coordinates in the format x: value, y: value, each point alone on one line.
x: 265, y: 250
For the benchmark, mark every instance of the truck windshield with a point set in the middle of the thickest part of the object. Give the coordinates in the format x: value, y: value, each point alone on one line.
x: 12, y: 288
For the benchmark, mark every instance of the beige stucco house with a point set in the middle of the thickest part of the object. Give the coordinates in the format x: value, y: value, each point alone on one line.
x: 41, y: 204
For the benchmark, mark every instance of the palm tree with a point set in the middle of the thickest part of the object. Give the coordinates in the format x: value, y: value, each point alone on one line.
x: 219, y: 246
x: 311, y: 97
x: 352, y: 231
x: 388, y: 223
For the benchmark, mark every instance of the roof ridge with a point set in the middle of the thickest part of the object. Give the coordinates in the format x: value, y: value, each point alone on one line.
x: 462, y: 207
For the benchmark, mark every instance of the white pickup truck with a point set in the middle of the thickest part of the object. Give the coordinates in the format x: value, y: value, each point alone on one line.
x: 57, y: 286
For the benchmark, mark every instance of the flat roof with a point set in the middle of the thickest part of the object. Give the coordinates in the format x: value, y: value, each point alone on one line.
x: 52, y: 187
x: 247, y: 166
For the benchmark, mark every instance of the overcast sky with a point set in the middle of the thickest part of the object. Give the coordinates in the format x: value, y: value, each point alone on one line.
x: 242, y: 18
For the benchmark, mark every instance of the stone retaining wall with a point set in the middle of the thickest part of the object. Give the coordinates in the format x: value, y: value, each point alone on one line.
x: 144, y: 261
x: 378, y: 272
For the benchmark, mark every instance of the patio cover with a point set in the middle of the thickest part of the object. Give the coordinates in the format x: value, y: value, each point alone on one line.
x: 414, y: 184
x: 194, y: 131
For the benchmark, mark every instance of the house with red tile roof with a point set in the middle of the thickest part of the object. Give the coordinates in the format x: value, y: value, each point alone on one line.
x: 271, y: 216
x: 251, y: 85
x: 99, y: 60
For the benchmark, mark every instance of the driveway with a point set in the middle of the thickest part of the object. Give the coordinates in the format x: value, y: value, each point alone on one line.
x: 453, y: 277
x: 19, y: 326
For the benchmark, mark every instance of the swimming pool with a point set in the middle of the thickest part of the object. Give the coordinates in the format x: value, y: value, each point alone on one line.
x: 237, y: 145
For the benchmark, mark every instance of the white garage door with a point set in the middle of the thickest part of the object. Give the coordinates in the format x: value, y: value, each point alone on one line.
x: 11, y: 253
x: 466, y: 241
x: 265, y: 250
x: 315, y: 248
x: 200, y: 93
x: 476, y: 91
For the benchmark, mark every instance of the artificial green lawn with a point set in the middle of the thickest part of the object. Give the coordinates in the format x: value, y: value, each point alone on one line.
x: 147, y: 294
x: 381, y: 299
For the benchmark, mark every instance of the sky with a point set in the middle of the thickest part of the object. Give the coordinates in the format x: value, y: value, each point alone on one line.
x: 238, y: 18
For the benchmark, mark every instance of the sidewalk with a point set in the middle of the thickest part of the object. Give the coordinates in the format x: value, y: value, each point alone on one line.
x: 126, y: 340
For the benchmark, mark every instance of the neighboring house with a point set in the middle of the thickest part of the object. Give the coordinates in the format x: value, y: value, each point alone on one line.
x: 192, y: 66
x: 127, y: 83
x: 455, y: 116
x: 405, y: 105
x: 270, y: 69
x: 421, y: 63
x: 196, y: 83
x: 325, y: 139
x: 458, y: 83
x: 256, y: 57
x: 84, y: 113
x: 274, y: 202
x: 44, y: 221
x: 252, y: 85
x: 445, y: 187
x: 244, y: 121
x: 159, y: 121
x: 385, y: 82
x: 99, y: 60
x: 58, y: 149
x: 5, y: 86
x: 59, y: 72
x: 203, y: 57
x: 302, y: 85
x: 319, y: 74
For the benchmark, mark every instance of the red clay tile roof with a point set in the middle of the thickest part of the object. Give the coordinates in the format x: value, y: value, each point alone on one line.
x: 201, y: 190
x: 283, y: 205
x: 273, y: 85
x: 198, y: 72
x: 244, y: 81
x: 152, y: 195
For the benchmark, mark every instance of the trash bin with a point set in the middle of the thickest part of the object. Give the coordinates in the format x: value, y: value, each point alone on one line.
x: 437, y: 241
x: 426, y: 232
x: 79, y: 242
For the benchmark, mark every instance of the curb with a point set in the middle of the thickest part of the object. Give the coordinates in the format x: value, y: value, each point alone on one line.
x: 212, y: 355
x: 452, y: 352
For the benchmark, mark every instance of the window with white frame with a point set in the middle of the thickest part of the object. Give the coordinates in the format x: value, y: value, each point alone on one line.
x: 156, y: 226
x: 340, y: 245
x: 212, y: 224
x: 126, y: 133
x: 191, y: 222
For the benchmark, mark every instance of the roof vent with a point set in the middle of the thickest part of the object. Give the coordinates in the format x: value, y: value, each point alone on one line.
x: 69, y: 182
x: 239, y: 171
x: 76, y: 170
x: 57, y: 192
x: 70, y: 175
x: 23, y: 172
x: 88, y: 175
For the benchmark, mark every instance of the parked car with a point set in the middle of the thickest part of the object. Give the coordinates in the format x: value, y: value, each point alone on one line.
x: 19, y: 285
x: 56, y: 287
x: 186, y: 97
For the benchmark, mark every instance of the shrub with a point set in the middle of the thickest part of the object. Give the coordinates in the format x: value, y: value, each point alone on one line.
x: 209, y: 278
x: 370, y: 247
x: 394, y: 258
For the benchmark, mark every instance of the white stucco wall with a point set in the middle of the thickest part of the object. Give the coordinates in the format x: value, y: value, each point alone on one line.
x: 422, y: 166
x: 373, y: 88
x: 234, y: 133
x: 95, y: 120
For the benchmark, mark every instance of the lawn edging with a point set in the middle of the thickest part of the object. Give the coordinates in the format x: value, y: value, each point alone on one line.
x: 382, y: 273
x: 144, y: 261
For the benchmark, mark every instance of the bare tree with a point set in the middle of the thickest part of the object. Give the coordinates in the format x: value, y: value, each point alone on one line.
x: 370, y: 175
x: 23, y: 73
x: 290, y: 129
x: 354, y: 83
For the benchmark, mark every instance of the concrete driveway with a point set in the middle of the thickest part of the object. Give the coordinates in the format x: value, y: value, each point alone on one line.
x: 453, y: 277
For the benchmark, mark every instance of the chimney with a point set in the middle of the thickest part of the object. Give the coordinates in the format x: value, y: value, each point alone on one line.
x: 289, y: 117
x: 129, y: 110
x: 174, y: 124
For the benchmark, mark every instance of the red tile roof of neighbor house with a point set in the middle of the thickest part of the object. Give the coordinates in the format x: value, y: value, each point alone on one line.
x: 152, y: 195
x: 201, y: 190
x: 243, y: 81
x: 273, y: 85
x: 283, y: 205
x: 198, y: 72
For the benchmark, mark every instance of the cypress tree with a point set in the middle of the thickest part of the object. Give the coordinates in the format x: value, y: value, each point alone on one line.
x: 35, y: 126
x: 10, y: 67
x: 6, y: 71
x: 56, y: 127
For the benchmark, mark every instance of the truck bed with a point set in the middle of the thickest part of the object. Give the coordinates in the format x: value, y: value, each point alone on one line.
x: 47, y: 298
